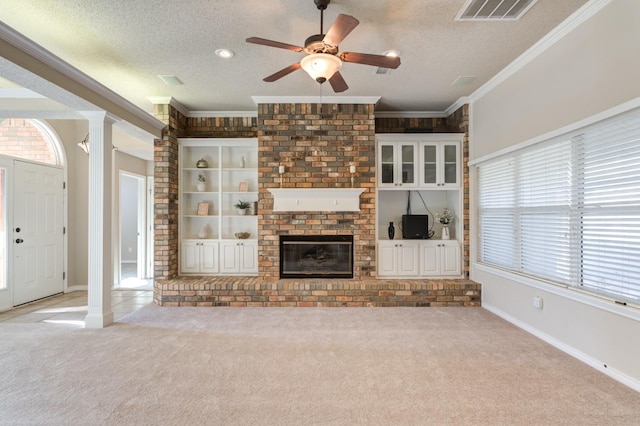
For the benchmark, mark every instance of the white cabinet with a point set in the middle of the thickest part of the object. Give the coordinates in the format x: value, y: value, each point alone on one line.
x: 398, y: 258
x: 239, y: 257
x: 439, y: 165
x: 206, y: 209
x: 397, y: 164
x: 440, y: 258
x: 199, y: 257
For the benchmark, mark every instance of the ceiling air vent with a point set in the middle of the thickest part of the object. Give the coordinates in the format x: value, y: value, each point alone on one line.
x: 494, y: 10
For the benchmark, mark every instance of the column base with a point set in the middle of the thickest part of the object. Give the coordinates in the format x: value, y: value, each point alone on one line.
x: 98, y: 320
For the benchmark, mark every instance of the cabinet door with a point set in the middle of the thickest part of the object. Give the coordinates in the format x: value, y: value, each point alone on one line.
x: 430, y: 258
x: 249, y: 257
x: 387, y: 164
x: 450, y: 165
x: 407, y: 155
x: 190, y: 258
x: 387, y: 259
x: 407, y: 254
x: 429, y: 155
x: 450, y: 258
x: 229, y: 257
x: 209, y: 257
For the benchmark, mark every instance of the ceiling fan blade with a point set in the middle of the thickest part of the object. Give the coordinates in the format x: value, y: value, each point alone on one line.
x: 337, y: 83
x: 271, y: 43
x: 341, y: 27
x: 285, y: 71
x: 375, y: 60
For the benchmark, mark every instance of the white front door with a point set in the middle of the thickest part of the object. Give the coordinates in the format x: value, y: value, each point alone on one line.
x: 37, y: 232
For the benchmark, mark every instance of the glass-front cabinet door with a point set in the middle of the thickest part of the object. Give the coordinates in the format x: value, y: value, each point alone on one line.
x: 450, y: 164
x: 439, y: 164
x: 397, y: 165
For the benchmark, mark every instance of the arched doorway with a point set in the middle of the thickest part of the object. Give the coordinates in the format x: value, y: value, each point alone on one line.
x: 32, y: 231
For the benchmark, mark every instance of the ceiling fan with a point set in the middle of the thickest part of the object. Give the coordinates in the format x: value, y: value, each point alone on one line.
x: 323, y: 61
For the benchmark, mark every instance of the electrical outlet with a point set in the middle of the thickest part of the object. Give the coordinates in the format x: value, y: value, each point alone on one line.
x: 537, y: 302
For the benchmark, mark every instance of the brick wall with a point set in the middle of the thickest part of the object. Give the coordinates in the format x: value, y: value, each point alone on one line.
x: 220, y: 127
x: 316, y: 144
x: 166, y: 186
x: 459, y: 122
x: 19, y: 138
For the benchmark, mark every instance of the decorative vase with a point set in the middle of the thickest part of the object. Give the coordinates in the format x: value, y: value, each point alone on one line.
x: 202, y: 233
x: 201, y: 186
x: 242, y: 163
x: 242, y: 212
x: 202, y: 164
x: 445, y: 232
x: 391, y: 230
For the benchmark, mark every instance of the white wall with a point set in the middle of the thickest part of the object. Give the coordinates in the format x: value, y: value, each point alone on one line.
x: 592, y: 69
x: 129, y: 218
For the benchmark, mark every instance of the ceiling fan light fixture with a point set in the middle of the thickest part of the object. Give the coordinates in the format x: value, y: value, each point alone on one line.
x: 321, y: 66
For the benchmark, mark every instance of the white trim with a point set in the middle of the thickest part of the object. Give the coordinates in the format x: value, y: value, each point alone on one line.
x: 575, y: 294
x: 316, y: 199
x: 590, y: 361
x: 39, y: 53
x: 316, y: 99
x: 457, y: 105
x: 588, y: 10
x: 77, y: 288
x: 19, y: 93
x: 169, y: 100
x: 566, y: 130
x: 420, y: 137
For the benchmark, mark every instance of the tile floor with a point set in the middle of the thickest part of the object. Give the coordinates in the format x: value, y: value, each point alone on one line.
x: 71, y: 308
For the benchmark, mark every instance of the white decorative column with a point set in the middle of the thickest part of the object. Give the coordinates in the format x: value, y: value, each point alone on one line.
x: 100, y: 253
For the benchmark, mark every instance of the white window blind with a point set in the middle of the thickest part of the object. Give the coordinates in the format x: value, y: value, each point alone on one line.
x: 568, y: 210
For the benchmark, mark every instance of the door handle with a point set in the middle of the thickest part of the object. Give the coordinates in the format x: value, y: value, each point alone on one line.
x: 19, y: 240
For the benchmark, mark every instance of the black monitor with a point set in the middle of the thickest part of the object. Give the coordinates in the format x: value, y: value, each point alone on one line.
x: 415, y: 226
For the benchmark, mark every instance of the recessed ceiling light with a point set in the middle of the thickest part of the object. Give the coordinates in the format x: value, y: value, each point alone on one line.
x: 170, y: 80
x: 224, y: 53
x: 391, y: 53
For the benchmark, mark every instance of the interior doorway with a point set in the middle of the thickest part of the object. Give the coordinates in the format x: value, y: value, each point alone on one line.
x: 134, y: 271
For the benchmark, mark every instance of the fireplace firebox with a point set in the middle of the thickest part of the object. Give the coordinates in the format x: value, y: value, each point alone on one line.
x: 316, y: 256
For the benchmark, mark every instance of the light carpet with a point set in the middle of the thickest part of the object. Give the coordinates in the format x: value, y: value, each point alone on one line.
x: 295, y: 366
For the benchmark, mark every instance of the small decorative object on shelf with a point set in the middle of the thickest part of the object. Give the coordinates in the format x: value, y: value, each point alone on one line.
x: 243, y: 163
x: 255, y: 208
x: 280, y: 172
x: 201, y: 185
x: 243, y: 235
x: 202, y: 233
x: 202, y: 164
x: 445, y: 218
x: 243, y: 186
x: 203, y: 209
x: 242, y: 207
x: 391, y: 230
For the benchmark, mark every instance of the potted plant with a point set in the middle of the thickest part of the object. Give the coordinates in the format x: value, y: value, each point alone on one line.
x: 242, y: 207
x: 445, y: 218
x: 201, y: 185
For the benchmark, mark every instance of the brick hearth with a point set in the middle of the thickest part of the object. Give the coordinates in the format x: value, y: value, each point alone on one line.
x: 251, y: 291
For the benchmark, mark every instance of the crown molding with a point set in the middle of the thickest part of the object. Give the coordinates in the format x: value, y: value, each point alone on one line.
x: 114, y: 102
x: 588, y: 10
x: 169, y: 100
x: 316, y: 99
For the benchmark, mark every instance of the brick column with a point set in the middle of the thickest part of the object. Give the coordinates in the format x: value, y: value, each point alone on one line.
x: 166, y: 193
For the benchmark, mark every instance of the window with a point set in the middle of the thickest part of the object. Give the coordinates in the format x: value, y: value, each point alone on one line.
x: 568, y: 210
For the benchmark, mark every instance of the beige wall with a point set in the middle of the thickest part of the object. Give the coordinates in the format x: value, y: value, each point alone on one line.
x: 71, y: 132
x: 592, y: 69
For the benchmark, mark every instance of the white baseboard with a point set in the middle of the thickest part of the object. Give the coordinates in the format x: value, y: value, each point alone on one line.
x: 76, y: 288
x: 590, y: 361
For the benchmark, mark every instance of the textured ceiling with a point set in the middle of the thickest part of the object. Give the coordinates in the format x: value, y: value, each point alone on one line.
x: 126, y: 44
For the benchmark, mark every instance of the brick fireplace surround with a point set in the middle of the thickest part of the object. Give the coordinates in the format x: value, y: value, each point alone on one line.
x: 316, y: 144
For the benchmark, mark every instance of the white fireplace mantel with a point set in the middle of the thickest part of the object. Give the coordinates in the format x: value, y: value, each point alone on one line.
x: 316, y: 199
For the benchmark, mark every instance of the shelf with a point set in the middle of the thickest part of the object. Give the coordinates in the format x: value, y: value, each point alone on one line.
x: 316, y: 199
